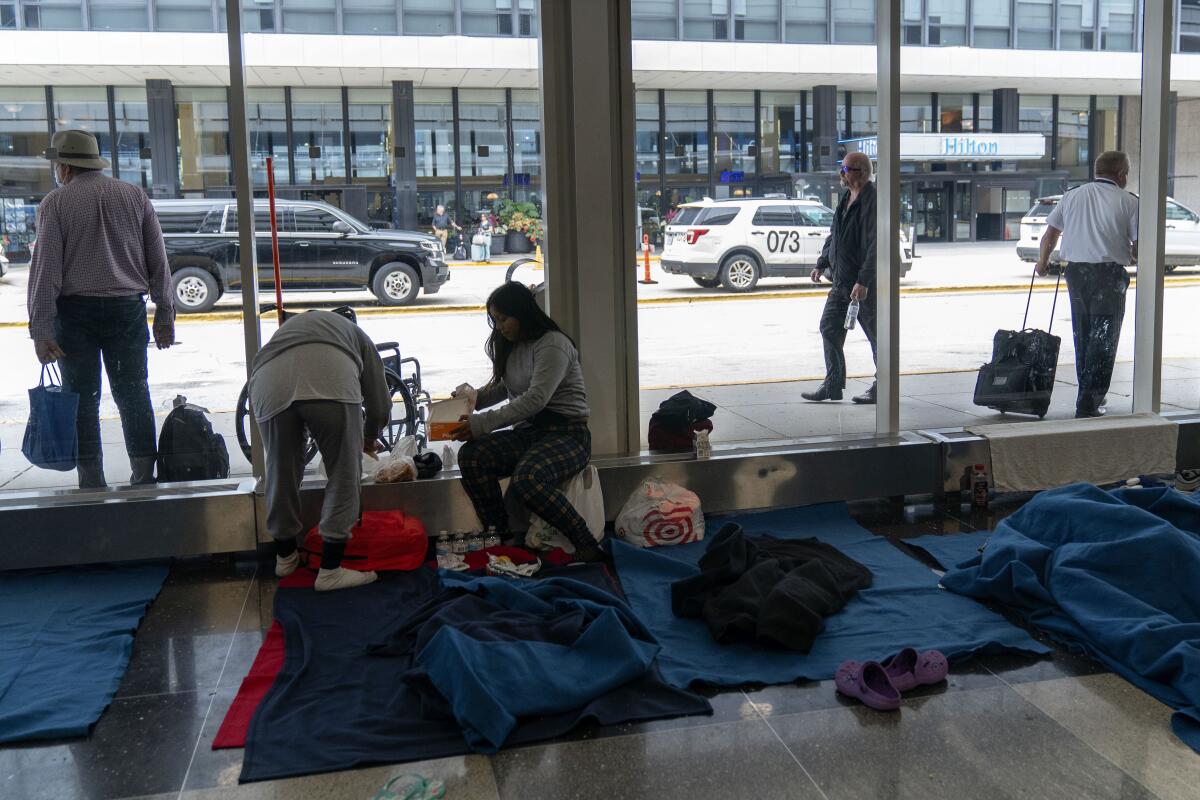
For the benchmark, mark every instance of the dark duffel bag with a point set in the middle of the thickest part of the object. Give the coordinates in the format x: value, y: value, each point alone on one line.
x: 188, y: 447
x: 1020, y: 377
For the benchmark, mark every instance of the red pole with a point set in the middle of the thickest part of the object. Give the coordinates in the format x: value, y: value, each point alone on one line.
x: 646, y: 257
x: 274, y: 239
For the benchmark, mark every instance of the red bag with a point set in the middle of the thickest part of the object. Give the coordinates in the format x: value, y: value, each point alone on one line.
x: 384, y: 540
x: 661, y: 437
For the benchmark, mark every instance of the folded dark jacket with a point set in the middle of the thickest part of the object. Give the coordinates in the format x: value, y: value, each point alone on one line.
x: 681, y: 411
x: 774, y: 591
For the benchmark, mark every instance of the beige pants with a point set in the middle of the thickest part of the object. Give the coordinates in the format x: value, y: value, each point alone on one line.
x: 442, y: 234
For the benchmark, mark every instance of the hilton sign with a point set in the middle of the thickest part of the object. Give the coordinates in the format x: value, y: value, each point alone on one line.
x: 958, y: 146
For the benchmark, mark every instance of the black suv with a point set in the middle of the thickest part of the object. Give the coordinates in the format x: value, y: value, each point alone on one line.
x: 321, y: 248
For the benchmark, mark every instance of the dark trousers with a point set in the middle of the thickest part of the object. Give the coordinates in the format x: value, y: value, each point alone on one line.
x: 833, y: 332
x: 539, y: 458
x: 113, y: 330
x: 1097, y: 294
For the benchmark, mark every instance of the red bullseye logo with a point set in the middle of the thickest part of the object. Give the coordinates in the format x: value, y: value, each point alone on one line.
x: 669, y: 525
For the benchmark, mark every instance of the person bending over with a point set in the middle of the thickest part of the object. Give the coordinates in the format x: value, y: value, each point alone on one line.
x: 535, y: 366
x: 319, y: 373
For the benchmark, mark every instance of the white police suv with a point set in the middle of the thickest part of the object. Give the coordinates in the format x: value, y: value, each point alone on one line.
x: 735, y: 243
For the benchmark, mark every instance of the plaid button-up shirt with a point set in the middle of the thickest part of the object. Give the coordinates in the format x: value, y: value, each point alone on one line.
x: 96, y: 236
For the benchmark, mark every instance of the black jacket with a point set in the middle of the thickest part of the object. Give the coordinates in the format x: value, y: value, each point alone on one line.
x: 849, y: 252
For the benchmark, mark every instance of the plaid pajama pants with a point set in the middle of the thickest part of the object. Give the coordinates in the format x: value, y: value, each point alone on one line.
x: 539, y: 458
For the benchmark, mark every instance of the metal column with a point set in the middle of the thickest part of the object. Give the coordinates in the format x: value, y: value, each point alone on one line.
x: 164, y: 138
x: 1152, y: 192
x: 887, y: 280
x: 404, y: 154
x: 239, y: 142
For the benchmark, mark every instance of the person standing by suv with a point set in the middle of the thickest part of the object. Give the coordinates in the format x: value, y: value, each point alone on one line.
x: 849, y: 255
x: 442, y: 223
x: 100, y: 252
x: 1101, y: 222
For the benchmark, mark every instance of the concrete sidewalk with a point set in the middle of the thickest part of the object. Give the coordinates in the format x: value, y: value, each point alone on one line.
x: 770, y: 413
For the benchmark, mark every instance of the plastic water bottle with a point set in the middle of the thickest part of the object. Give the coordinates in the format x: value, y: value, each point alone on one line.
x: 979, y: 487
x: 493, y: 538
x: 852, y: 315
x: 475, y: 542
x: 459, y: 547
x: 443, y: 545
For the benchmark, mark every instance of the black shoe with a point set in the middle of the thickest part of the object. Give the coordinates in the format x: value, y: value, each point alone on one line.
x: 867, y: 398
x: 1089, y: 413
x: 822, y: 393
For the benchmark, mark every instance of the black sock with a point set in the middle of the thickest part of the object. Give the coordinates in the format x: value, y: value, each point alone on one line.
x: 331, y: 554
x: 285, y: 547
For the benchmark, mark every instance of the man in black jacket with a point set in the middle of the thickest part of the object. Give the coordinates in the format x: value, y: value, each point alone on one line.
x: 849, y: 258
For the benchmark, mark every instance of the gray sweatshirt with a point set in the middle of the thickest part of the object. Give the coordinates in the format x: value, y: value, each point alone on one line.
x: 318, y: 355
x: 541, y: 374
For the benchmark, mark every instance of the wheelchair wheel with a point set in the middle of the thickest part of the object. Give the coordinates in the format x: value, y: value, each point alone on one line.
x: 403, y: 421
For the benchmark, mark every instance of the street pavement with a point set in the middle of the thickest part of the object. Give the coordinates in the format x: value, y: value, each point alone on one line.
x: 751, y: 354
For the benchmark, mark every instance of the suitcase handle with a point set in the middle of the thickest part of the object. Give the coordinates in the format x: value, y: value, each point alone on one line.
x: 1029, y: 299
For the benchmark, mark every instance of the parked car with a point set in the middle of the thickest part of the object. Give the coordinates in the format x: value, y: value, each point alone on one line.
x: 3, y: 264
x: 736, y: 243
x: 321, y: 248
x: 1182, y: 239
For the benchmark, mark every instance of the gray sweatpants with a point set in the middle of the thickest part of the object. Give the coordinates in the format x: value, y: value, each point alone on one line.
x: 338, y: 431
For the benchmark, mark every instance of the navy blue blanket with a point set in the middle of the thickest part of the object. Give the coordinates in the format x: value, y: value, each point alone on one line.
x: 903, y: 607
x: 1117, y: 573
x: 351, y: 691
x: 65, y: 640
x: 951, y: 549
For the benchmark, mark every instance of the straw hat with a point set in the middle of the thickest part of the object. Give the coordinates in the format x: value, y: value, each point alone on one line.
x: 76, y: 148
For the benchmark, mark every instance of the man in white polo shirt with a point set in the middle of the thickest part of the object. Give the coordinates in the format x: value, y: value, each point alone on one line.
x: 1100, y: 222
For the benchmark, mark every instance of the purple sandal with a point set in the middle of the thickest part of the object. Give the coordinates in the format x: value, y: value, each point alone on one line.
x: 908, y: 670
x: 869, y: 683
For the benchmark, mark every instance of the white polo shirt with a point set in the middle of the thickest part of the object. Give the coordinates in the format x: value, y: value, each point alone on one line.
x: 1098, y: 221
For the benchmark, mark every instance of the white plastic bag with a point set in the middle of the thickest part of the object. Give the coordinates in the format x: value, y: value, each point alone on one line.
x: 398, y: 465
x: 585, y: 496
x: 659, y: 513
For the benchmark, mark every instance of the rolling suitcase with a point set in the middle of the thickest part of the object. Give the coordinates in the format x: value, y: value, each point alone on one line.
x: 1020, y: 377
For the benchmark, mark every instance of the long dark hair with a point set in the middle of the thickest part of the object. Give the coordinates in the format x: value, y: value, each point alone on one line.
x: 514, y: 299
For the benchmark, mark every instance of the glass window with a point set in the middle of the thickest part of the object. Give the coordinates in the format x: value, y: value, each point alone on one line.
x: 1036, y: 115
x: 1073, y: 154
x: 434, y: 116
x: 911, y: 20
x: 86, y: 109
x: 1035, y: 24
x: 317, y: 136
x: 956, y: 113
x: 718, y: 215
x: 1106, y: 122
x: 309, y: 16
x: 8, y: 16
x: 487, y: 17
x: 1189, y: 26
x: 428, y: 17
x: 864, y: 116
x: 266, y: 122
x: 654, y: 19
x: 773, y: 216
x: 258, y: 16
x: 369, y: 16
x: 183, y: 15
x: 756, y: 20
x: 23, y: 140
x: 53, y: 16
x: 482, y: 128
x: 646, y: 141
x: 118, y: 15
x: 991, y: 23
x: 805, y: 21
x: 527, y: 140
x: 687, y: 133
x: 985, y: 123
x: 309, y: 219
x: 133, y: 134
x: 948, y: 22
x: 779, y: 132
x: 527, y: 18
x: 186, y: 218
x: 371, y: 149
x: 706, y: 19
x: 1117, y: 24
x: 854, y: 21
x: 203, y: 119
x: 1077, y: 24
x: 735, y: 139
x: 916, y: 112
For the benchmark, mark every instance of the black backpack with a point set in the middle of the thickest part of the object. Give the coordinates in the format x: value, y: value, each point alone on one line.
x: 188, y: 449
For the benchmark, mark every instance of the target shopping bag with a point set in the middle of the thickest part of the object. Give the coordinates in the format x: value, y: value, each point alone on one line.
x: 659, y: 513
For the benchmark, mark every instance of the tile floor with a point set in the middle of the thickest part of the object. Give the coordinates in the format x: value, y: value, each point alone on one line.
x: 1000, y: 727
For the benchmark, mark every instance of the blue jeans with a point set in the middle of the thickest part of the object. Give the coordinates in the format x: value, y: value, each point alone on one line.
x: 112, y: 329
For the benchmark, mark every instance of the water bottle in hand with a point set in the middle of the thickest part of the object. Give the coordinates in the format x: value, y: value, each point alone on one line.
x: 852, y: 315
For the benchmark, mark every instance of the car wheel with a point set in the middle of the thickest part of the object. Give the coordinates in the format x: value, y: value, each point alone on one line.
x: 396, y: 284
x: 707, y: 283
x: 740, y: 272
x: 196, y: 290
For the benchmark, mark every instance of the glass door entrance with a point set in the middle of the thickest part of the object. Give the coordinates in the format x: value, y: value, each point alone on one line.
x: 931, y: 213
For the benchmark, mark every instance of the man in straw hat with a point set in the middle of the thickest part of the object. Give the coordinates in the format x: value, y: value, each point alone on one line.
x: 99, y: 253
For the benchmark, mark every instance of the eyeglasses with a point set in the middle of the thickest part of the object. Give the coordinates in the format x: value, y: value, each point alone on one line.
x: 846, y: 169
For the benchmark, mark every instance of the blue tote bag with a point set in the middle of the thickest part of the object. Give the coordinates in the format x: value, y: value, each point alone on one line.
x: 51, y: 439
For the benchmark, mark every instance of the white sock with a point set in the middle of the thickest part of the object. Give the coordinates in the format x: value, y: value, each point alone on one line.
x: 342, y: 578
x: 285, y: 566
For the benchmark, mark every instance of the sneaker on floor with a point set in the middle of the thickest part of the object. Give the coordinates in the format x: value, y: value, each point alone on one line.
x: 1187, y: 480
x: 341, y: 578
x: 286, y: 566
